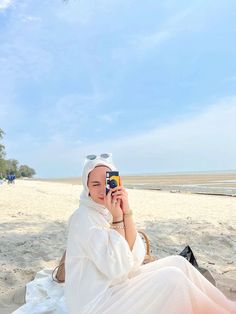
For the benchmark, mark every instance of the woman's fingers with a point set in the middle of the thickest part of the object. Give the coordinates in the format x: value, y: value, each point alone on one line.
x: 113, y: 205
x: 119, y: 189
x: 117, y: 199
x: 117, y: 193
x: 108, y: 199
x: 118, y: 203
x: 121, y: 193
x: 108, y: 196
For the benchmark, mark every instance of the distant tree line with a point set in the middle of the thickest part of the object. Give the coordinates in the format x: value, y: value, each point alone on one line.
x: 12, y: 166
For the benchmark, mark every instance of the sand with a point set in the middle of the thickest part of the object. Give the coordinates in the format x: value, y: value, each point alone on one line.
x: 33, y: 228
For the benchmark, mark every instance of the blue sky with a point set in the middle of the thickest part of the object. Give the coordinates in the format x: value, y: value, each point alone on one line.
x: 153, y: 82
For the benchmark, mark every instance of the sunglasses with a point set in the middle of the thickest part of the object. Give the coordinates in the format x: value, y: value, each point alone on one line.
x: 103, y: 156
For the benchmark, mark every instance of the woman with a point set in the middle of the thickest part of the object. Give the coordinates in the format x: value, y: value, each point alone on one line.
x: 104, y: 271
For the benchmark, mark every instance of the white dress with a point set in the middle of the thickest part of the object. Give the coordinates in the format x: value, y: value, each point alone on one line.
x: 97, y: 258
x: 104, y: 277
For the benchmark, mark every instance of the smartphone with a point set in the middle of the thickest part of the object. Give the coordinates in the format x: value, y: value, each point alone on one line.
x: 112, y: 180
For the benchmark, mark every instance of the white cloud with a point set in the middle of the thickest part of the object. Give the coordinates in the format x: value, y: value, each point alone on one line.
x: 4, y: 4
x: 201, y: 141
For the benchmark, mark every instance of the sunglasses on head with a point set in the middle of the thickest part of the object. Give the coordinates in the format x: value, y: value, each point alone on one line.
x: 103, y: 156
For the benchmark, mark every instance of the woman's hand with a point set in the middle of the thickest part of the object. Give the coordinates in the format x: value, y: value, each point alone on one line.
x: 120, y: 194
x: 113, y: 205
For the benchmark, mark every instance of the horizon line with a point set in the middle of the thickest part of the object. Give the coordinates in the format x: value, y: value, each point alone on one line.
x: 147, y: 174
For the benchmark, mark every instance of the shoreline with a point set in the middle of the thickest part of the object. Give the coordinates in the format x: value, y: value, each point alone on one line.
x: 222, y: 184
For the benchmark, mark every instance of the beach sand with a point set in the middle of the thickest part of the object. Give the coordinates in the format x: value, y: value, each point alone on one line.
x: 33, y: 228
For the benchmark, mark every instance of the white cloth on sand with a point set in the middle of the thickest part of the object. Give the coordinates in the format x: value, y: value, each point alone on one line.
x: 43, y: 295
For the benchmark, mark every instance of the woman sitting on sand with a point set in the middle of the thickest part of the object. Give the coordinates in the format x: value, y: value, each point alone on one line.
x: 104, y: 271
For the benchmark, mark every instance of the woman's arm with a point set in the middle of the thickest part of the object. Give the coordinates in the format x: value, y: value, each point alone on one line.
x: 118, y: 222
x: 120, y: 194
x: 114, y: 206
x: 130, y: 230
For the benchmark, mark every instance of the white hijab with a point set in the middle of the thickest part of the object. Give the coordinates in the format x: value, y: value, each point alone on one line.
x: 85, y: 199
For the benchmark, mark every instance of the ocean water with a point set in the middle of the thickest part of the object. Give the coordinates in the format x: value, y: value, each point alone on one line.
x: 208, y: 182
x: 194, y: 188
x: 211, y: 183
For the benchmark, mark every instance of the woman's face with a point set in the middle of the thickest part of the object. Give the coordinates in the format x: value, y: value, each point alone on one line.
x: 97, y: 184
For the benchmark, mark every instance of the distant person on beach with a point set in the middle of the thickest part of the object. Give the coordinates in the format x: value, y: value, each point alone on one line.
x: 104, y: 271
x: 11, y: 178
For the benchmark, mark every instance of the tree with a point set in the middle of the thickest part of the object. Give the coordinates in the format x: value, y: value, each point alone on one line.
x: 12, y: 166
x: 25, y: 171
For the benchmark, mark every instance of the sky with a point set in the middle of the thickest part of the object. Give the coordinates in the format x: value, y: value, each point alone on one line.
x: 152, y: 82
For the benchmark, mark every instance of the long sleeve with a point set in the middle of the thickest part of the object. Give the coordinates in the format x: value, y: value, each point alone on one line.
x: 110, y: 252
x: 138, y: 252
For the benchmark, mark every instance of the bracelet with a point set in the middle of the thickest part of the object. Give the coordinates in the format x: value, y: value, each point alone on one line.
x: 129, y: 213
x: 118, y: 227
x: 117, y: 222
